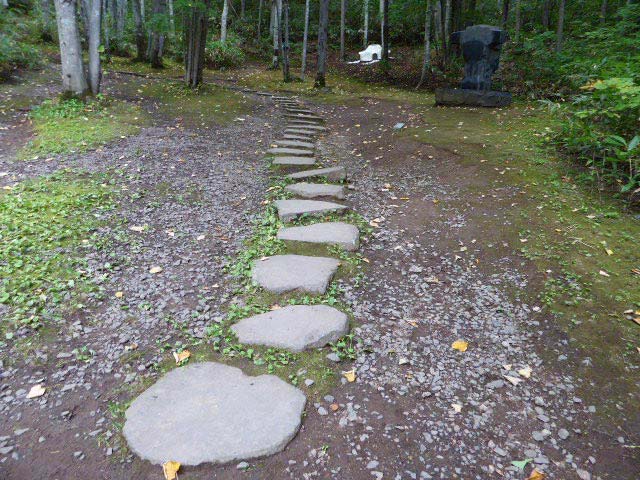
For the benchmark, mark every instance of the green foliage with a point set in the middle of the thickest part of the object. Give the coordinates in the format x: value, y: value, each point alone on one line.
x: 15, y: 49
x: 223, y: 56
x: 43, y: 224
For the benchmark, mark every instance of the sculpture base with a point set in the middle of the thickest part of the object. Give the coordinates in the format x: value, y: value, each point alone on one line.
x: 472, y: 98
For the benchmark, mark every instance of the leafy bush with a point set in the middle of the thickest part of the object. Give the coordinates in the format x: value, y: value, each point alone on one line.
x: 15, y: 51
x: 222, y: 56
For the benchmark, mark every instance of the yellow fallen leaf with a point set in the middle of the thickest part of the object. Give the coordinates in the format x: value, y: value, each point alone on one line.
x: 137, y: 228
x: 609, y: 251
x: 536, y: 475
x: 603, y: 273
x: 170, y: 470
x: 460, y: 345
x: 155, y: 269
x: 525, y: 372
x: 350, y: 375
x: 463, y: 249
x: 181, y: 356
x: 36, y: 391
x: 513, y: 380
x: 119, y: 294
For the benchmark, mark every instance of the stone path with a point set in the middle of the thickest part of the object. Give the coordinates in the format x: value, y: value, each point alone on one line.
x: 209, y: 412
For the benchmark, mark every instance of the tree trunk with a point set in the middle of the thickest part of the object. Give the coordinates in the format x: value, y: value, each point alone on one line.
x: 366, y: 23
x: 121, y: 12
x: 343, y: 14
x: 106, y: 37
x: 323, y: 27
x: 276, y: 10
x: 305, y: 38
x: 603, y: 12
x: 141, y: 37
x: 505, y: 14
x: 95, y: 20
x: 560, y: 29
x: 447, y: 25
x: 4, y: 3
x: 426, y: 64
x: 259, y: 19
x: 437, y: 23
x: 284, y: 42
x: 385, y: 31
x: 242, y: 8
x: 546, y: 14
x: 172, y: 20
x: 157, y: 35
x: 223, y: 21
x: 196, y: 23
x: 74, y: 82
x: 47, y: 34
x: 518, y: 7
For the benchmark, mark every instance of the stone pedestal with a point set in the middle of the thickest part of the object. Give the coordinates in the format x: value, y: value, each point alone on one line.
x: 472, y: 98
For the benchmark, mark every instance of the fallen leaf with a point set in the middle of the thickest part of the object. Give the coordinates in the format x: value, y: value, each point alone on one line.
x: 463, y: 249
x: 514, y: 380
x: 119, y: 294
x: 275, y: 306
x: 181, y: 356
x: 525, y: 372
x: 432, y: 279
x: 413, y: 323
x: 609, y: 251
x: 155, y: 269
x: 200, y: 237
x: 536, y: 475
x: 521, y: 463
x: 36, y: 391
x: 507, y: 367
x: 460, y: 345
x: 137, y: 228
x: 350, y: 375
x: 334, y: 407
x: 456, y: 407
x: 603, y: 273
x: 170, y: 470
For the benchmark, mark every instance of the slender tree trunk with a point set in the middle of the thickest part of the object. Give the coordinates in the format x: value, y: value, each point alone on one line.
x: 437, y: 23
x: 505, y: 14
x: 343, y: 14
x: 141, y: 37
x: 447, y: 23
x: 259, y: 19
x: 323, y: 26
x: 196, y: 24
x: 426, y: 64
x: 518, y: 7
x: 546, y: 14
x: 121, y: 12
x: 284, y: 42
x: 603, y: 12
x: 95, y: 21
x: 560, y: 29
x: 305, y: 38
x: 366, y: 23
x: 106, y: 33
x: 385, y: 31
x: 157, y: 36
x: 4, y: 3
x: 172, y: 20
x: 242, y: 8
x: 223, y: 21
x: 276, y: 5
x: 47, y: 34
x: 142, y: 12
x: 74, y: 82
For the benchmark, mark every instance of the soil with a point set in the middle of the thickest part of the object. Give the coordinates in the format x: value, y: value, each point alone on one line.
x: 443, y: 265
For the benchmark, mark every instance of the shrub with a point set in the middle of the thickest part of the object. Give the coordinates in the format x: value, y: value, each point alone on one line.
x: 15, y: 52
x: 222, y: 56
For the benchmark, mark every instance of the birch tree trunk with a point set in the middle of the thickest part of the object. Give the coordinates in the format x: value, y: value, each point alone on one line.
x: 95, y: 24
x: 560, y: 29
x: 343, y: 14
x: 74, y: 82
x: 284, y: 41
x: 323, y: 26
x: 223, y: 21
x: 196, y: 24
x: 426, y: 64
x: 4, y: 3
x: 277, y: 5
x: 305, y: 39
x: 381, y: 22
x: 385, y: 31
x: 259, y: 19
x: 141, y: 37
x: 366, y: 23
x: 172, y: 19
x: 157, y: 35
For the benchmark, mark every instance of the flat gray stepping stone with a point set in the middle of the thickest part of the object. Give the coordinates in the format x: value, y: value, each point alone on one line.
x: 305, y: 161
x: 306, y: 124
x: 293, y: 143
x: 264, y: 94
x: 296, y: 327
x: 342, y: 234
x: 286, y: 273
x: 304, y: 116
x: 210, y: 412
x: 299, y: 131
x: 333, y: 174
x: 291, y: 209
x: 312, y: 190
x: 290, y: 136
x: 297, y: 109
x: 289, y: 151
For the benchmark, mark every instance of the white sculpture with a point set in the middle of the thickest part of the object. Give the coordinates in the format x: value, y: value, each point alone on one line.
x: 372, y: 52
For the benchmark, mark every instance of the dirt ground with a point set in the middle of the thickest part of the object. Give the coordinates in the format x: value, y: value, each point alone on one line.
x: 443, y: 265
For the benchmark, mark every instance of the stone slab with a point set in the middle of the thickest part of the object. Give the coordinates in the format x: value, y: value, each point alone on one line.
x: 472, y: 98
x: 292, y: 160
x: 333, y: 174
x: 299, y: 131
x: 298, y: 109
x: 341, y: 234
x: 210, y: 412
x: 293, y: 143
x: 305, y: 124
x: 289, y: 151
x: 287, y: 273
x: 313, y: 190
x: 291, y: 209
x: 295, y: 328
x: 304, y: 116
x: 291, y: 136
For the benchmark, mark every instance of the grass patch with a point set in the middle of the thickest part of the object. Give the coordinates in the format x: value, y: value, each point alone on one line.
x: 43, y: 225
x: 74, y: 126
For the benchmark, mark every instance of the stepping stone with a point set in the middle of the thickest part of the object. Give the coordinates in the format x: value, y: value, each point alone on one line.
x: 333, y: 174
x: 299, y: 131
x: 289, y: 151
x: 298, y: 110
x: 210, y: 412
x: 289, y: 136
x: 305, y: 117
x: 312, y: 190
x: 306, y: 124
x: 342, y: 234
x: 304, y: 161
x: 293, y: 143
x: 286, y: 273
x: 264, y: 94
x: 291, y: 209
x: 296, y: 327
